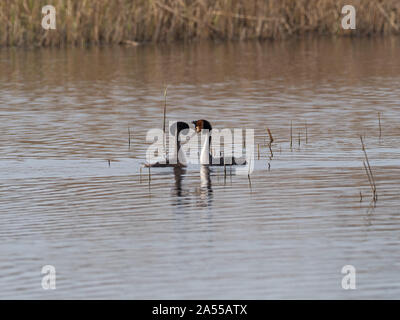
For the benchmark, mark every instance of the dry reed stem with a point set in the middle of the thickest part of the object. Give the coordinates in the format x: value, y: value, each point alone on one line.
x: 368, y: 170
x: 164, y: 118
x: 149, y: 174
x: 369, y: 177
x: 165, y: 107
x: 299, y: 139
x: 380, y: 128
x: 129, y: 138
x: 387, y: 17
x: 306, y: 133
x: 224, y: 169
x: 271, y: 139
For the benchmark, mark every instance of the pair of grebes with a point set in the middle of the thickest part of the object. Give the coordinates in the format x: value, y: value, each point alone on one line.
x: 206, y: 157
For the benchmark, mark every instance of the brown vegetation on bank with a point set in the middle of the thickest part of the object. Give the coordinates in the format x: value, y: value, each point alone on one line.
x: 82, y: 22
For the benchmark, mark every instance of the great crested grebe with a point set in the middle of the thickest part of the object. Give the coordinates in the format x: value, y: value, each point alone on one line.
x: 175, y: 130
x: 205, y: 156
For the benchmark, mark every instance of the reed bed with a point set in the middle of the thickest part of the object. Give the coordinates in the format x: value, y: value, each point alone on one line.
x: 87, y: 22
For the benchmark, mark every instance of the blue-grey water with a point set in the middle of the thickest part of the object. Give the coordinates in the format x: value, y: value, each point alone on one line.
x: 72, y: 194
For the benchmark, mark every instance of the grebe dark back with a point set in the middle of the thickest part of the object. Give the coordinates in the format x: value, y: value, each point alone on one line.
x: 175, y: 130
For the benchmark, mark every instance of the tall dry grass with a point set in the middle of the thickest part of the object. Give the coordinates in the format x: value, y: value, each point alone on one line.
x: 81, y: 22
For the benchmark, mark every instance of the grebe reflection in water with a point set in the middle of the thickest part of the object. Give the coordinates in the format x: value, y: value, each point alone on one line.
x: 179, y: 172
x: 205, y: 191
x: 201, y: 195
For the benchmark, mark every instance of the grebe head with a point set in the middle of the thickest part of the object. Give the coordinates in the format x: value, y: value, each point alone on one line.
x: 202, y: 124
x: 178, y: 127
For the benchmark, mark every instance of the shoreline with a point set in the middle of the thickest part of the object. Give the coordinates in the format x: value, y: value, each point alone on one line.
x: 306, y: 37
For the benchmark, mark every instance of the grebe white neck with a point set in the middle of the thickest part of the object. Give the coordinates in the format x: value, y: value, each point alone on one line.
x: 205, y: 150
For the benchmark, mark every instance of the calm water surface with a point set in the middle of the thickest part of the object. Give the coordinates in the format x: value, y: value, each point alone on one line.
x: 188, y: 233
